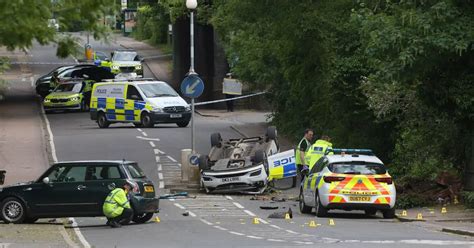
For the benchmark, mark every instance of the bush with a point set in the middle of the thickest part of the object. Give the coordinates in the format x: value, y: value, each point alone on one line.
x: 468, y: 197
x: 405, y: 201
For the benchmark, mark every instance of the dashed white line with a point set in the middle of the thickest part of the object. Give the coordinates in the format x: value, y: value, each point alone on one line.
x: 263, y: 221
x: 229, y: 197
x: 144, y: 134
x: 139, y: 130
x: 160, y: 168
x: 237, y: 233
x: 238, y: 205
x: 275, y: 226
x: 172, y: 159
x: 249, y: 213
x: 152, y: 144
x: 157, y: 159
x: 179, y: 206
x: 276, y: 240
x: 161, y: 185
x: 206, y: 222
x: 192, y: 214
x: 145, y: 138
x: 253, y: 237
x: 158, y: 151
x: 221, y: 228
x: 292, y: 232
x: 160, y: 176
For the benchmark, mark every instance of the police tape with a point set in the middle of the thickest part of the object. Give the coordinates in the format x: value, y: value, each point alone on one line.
x: 46, y: 63
x: 169, y: 55
x: 229, y: 99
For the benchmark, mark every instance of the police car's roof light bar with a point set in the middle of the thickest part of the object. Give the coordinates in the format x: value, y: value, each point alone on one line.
x: 350, y: 151
x: 128, y: 80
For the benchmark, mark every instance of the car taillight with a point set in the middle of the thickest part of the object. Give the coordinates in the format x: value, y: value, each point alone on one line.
x: 387, y: 180
x: 330, y: 179
x: 135, y: 188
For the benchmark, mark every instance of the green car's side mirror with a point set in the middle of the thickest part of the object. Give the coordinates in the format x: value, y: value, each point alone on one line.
x: 46, y: 180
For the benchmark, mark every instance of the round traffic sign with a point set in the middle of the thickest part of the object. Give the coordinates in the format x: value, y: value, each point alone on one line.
x: 194, y: 159
x: 192, y: 86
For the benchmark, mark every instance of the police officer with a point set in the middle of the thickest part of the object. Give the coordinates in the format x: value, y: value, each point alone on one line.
x: 117, y: 206
x: 54, y: 80
x: 301, y: 150
x: 318, y: 150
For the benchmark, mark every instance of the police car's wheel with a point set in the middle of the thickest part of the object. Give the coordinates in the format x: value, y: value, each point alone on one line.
x: 259, y: 157
x: 216, y: 140
x: 102, y: 121
x: 304, y: 209
x: 13, y: 210
x: 320, y: 210
x: 146, y: 120
x: 389, y: 213
x: 204, y: 162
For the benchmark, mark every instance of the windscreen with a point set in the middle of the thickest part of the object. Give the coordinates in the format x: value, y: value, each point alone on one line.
x: 135, y: 171
x: 357, y: 168
x: 69, y: 88
x: 124, y: 56
x: 157, y: 90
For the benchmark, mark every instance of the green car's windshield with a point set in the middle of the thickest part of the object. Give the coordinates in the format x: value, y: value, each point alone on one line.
x: 69, y: 88
x: 124, y: 56
x: 135, y: 171
x: 157, y: 90
x: 357, y: 168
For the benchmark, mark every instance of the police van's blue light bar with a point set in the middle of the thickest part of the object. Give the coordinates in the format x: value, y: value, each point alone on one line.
x: 350, y: 151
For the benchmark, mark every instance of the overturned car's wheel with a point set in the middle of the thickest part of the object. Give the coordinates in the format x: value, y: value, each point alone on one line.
x: 216, y: 140
x: 271, y: 132
x: 142, y: 218
x: 259, y: 157
x: 204, y: 162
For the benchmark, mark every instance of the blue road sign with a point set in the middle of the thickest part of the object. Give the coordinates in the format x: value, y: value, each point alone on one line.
x: 192, y: 86
x: 194, y: 159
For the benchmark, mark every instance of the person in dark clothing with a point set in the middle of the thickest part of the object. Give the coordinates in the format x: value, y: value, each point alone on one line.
x: 301, y: 151
x: 230, y: 104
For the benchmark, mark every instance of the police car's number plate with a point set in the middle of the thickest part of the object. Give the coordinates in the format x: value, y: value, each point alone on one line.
x: 149, y: 189
x: 359, y: 198
x: 230, y: 179
x: 176, y: 116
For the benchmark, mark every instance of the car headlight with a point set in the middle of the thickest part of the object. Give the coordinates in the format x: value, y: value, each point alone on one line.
x: 115, y: 67
x: 74, y: 99
x: 157, y: 109
x: 187, y: 108
x: 47, y: 100
x: 138, y: 67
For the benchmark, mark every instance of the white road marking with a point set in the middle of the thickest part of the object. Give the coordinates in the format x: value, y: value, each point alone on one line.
x: 157, y: 159
x: 192, y: 214
x: 152, y: 144
x: 263, y: 221
x: 228, y: 197
x: 144, y: 134
x: 139, y: 129
x: 79, y: 234
x: 160, y: 176
x: 290, y: 231
x: 144, y: 138
x: 253, y: 237
x: 276, y: 240
x: 237, y: 233
x: 158, y: 151
x: 160, y: 168
x: 179, y: 206
x: 32, y: 79
x: 172, y: 159
x: 171, y: 199
x: 221, y: 228
x: 249, y: 213
x: 238, y: 205
x: 275, y: 226
x: 206, y: 222
x: 161, y: 185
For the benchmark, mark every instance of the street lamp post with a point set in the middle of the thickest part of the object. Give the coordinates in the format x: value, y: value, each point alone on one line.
x: 192, y: 5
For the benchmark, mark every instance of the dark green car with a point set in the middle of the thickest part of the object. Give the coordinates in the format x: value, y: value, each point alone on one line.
x: 77, y: 189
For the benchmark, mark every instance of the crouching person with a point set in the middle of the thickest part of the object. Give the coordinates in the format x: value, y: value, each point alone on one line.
x: 117, y: 206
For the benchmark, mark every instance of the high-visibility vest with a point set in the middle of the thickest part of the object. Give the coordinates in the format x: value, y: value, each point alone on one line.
x: 297, y: 152
x: 316, y: 151
x: 115, y: 203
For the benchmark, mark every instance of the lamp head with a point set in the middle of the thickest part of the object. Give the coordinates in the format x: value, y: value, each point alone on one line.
x: 191, y: 4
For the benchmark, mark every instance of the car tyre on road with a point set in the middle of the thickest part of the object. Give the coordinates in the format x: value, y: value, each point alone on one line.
x: 102, y: 120
x: 389, y: 213
x: 320, y: 210
x: 216, y: 140
x: 146, y: 120
x: 138, y: 125
x: 304, y: 209
x: 142, y: 218
x: 12, y: 210
x: 182, y: 124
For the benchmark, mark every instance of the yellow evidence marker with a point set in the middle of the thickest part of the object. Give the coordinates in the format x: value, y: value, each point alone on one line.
x: 444, y: 210
x: 331, y: 222
x: 312, y: 223
x: 287, y: 216
x: 419, y: 216
x: 256, y: 221
x: 404, y: 213
x: 157, y: 219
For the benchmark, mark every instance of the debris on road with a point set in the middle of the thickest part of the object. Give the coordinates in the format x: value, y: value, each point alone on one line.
x: 268, y: 207
x: 173, y: 196
x: 186, y: 213
x: 282, y: 215
x: 278, y: 199
x: 259, y: 198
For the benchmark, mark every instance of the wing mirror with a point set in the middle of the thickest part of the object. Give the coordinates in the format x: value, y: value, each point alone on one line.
x: 46, y: 180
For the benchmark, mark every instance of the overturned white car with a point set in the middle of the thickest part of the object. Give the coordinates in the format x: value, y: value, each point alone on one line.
x: 238, y: 165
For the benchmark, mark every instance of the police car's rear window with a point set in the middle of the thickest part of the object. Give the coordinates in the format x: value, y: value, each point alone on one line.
x: 135, y: 171
x: 358, y: 168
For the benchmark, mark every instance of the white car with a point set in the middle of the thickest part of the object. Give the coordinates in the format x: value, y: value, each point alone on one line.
x: 349, y: 179
x: 238, y: 165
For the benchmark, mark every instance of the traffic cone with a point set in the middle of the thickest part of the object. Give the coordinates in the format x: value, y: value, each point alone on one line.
x: 256, y: 221
x: 419, y: 216
x: 312, y: 223
x: 157, y: 219
x: 444, y: 210
x: 404, y: 213
x: 331, y: 222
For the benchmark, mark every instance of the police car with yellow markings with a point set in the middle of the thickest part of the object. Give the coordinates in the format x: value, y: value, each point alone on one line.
x: 143, y: 102
x: 349, y: 179
x: 69, y: 95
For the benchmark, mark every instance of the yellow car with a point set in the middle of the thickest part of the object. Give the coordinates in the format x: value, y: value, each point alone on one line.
x: 72, y: 95
x: 349, y: 179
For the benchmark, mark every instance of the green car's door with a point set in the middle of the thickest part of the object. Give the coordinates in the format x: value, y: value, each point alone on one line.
x: 65, y: 195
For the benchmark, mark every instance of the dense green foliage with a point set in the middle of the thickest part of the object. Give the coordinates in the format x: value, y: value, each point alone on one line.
x: 395, y: 76
x: 152, y: 24
x: 26, y: 21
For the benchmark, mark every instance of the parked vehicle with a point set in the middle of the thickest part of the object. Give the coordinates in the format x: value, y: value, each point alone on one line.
x: 77, y: 189
x: 124, y: 61
x: 70, y: 95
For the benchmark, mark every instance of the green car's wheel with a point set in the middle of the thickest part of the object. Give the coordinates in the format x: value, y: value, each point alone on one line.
x: 142, y: 218
x: 13, y: 210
